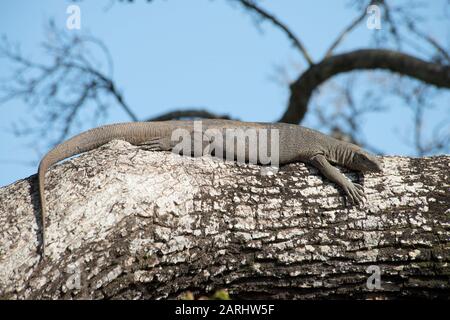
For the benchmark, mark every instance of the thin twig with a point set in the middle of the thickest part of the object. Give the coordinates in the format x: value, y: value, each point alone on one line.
x: 346, y: 31
x: 295, y: 40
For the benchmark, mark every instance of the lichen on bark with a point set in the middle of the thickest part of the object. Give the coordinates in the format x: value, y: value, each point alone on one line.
x: 128, y: 223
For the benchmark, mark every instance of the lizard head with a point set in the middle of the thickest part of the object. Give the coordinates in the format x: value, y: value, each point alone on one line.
x: 363, y: 161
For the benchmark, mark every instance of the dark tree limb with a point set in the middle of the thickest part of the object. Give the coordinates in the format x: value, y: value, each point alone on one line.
x: 368, y: 59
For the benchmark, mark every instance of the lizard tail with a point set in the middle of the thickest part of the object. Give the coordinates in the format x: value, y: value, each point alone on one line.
x: 71, y: 147
x: 41, y: 177
x: 86, y: 141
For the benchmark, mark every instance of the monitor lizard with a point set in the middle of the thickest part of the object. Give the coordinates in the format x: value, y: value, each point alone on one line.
x: 296, y: 144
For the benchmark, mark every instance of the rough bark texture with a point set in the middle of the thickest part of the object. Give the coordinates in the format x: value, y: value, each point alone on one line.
x: 128, y: 223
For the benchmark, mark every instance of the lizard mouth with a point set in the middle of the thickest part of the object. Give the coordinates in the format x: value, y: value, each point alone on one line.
x: 376, y: 166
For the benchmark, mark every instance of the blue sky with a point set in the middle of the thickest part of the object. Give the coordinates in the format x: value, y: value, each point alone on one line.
x: 178, y: 54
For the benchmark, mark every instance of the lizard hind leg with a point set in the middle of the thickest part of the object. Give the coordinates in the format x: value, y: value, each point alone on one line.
x: 156, y: 144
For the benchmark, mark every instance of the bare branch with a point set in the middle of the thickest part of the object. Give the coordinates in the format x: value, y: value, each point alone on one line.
x: 304, y: 86
x: 188, y: 114
x: 348, y: 29
x: 433, y: 42
x: 393, y: 29
x: 73, y: 75
x: 343, y: 115
x: 121, y: 102
x: 418, y: 99
x: 248, y: 4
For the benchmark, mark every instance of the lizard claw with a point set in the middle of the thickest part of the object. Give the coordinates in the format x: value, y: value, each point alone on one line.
x: 156, y: 144
x: 355, y: 192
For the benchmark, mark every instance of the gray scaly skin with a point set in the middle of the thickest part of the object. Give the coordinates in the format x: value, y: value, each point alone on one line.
x: 296, y: 144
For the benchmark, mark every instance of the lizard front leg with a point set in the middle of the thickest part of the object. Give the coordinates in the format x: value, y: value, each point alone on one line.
x: 354, y: 191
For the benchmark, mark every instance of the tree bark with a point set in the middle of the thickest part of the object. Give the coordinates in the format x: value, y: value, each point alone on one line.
x: 128, y: 223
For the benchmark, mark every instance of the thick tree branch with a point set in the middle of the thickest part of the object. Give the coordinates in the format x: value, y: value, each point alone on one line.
x: 125, y: 223
x: 368, y: 59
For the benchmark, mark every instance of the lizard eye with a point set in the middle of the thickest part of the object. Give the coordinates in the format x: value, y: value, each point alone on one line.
x: 363, y: 157
x: 367, y: 162
x: 361, y: 160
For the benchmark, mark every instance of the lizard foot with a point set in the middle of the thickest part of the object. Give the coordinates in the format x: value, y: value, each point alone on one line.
x: 355, y: 192
x: 156, y: 144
